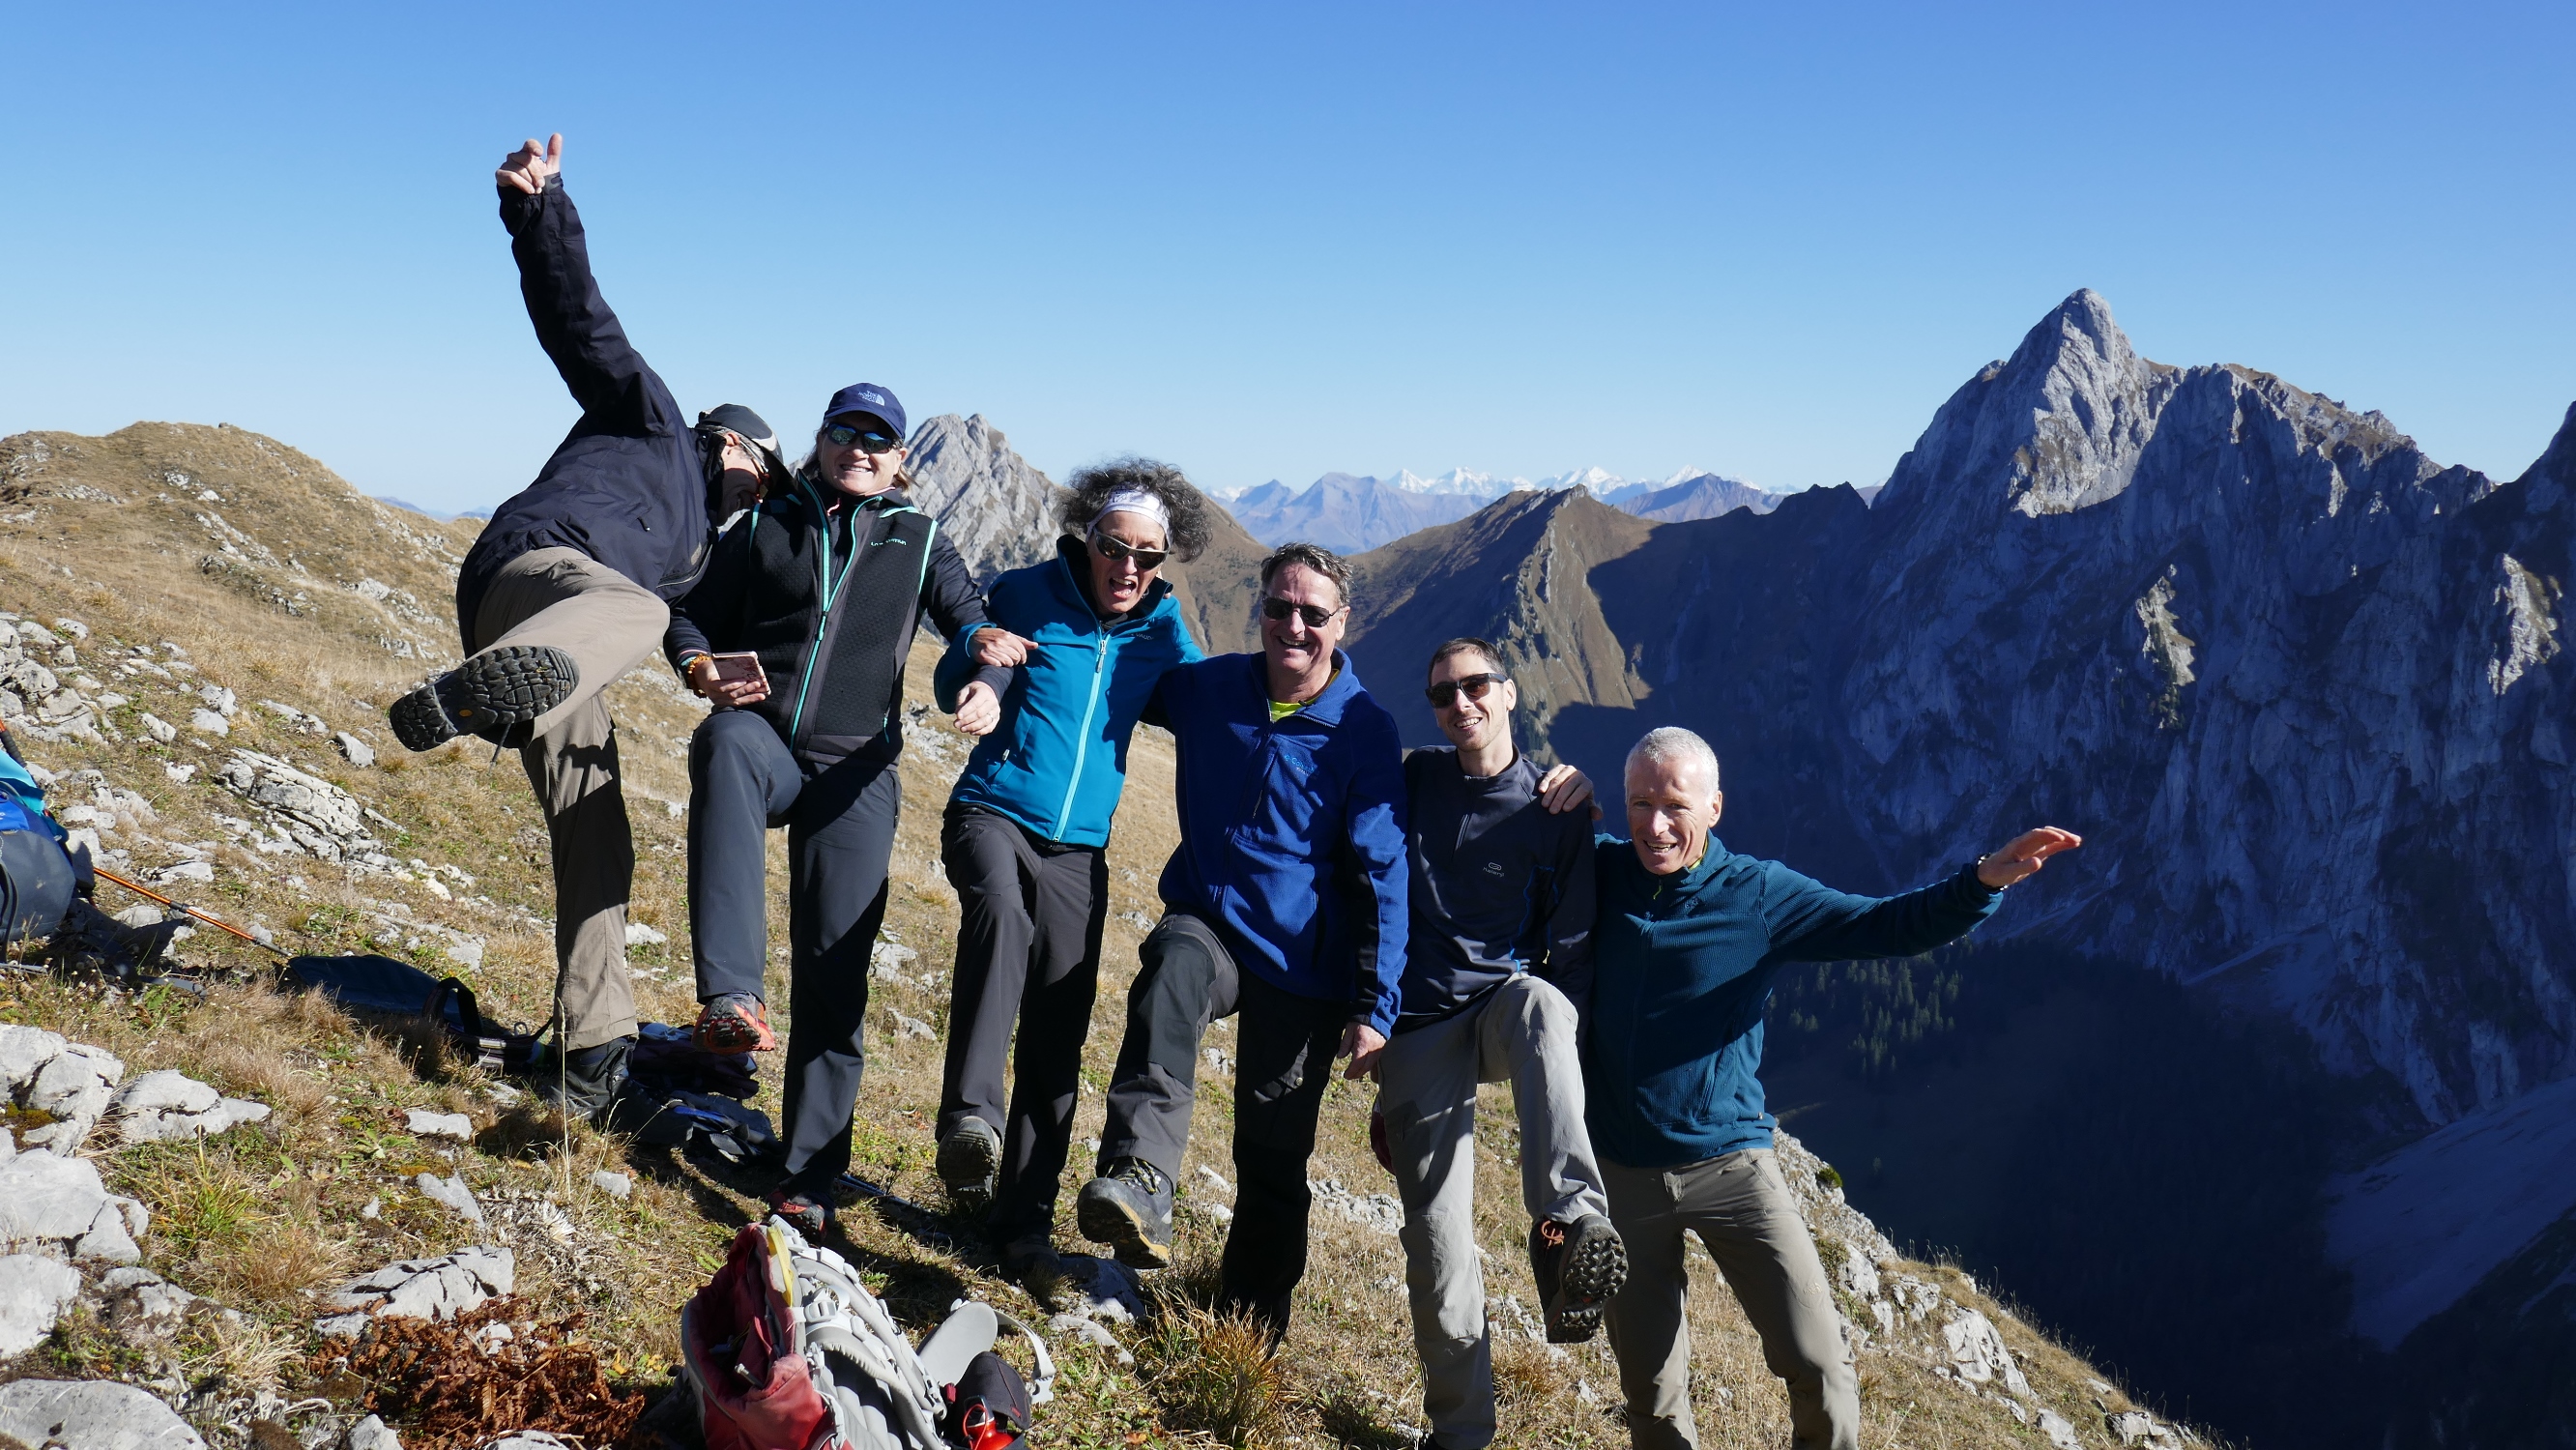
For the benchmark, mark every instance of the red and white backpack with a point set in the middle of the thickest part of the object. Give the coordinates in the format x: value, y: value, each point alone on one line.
x: 786, y: 1350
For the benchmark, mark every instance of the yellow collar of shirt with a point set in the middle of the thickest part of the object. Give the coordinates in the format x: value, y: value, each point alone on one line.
x: 1282, y: 709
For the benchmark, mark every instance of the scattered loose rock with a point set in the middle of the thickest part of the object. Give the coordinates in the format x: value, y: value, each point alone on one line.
x: 160, y: 1106
x: 90, y: 1415
x: 371, y: 1433
x: 143, y: 1305
x: 615, y: 1185
x: 362, y: 755
x: 57, y: 1207
x: 34, y: 1292
x: 1378, y: 1211
x: 439, y: 1288
x: 422, y: 1123
x: 453, y: 1193
x: 1089, y: 1331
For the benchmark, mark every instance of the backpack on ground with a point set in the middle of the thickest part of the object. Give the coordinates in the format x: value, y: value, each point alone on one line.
x: 368, y: 985
x: 38, y: 876
x: 786, y: 1350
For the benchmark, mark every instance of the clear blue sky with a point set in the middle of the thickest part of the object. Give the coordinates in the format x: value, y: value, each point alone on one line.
x: 1275, y: 240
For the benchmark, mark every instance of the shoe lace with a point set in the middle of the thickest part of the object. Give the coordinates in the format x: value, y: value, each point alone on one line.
x: 1141, y: 1173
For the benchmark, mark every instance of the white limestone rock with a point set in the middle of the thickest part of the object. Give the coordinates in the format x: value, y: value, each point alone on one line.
x: 24, y: 1051
x: 161, y: 1106
x: 58, y: 1206
x: 360, y: 754
x: 34, y: 1292
x: 1978, y: 1354
x: 371, y: 1433
x: 439, y: 1288
x: 143, y: 1305
x: 422, y: 1123
x: 90, y: 1415
x: 452, y: 1194
x: 615, y: 1185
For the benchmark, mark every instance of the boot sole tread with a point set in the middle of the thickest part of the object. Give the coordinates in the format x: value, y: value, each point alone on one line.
x: 1104, y: 1220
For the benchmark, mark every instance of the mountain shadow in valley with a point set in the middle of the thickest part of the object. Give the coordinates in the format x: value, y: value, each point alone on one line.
x: 2142, y: 1168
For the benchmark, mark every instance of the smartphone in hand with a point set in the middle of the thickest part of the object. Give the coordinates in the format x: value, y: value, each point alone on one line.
x: 739, y: 667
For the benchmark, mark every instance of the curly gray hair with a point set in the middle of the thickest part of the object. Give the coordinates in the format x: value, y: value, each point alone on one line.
x: 1181, y: 499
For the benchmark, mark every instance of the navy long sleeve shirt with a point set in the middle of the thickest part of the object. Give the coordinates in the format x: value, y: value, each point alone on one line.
x: 1682, y: 967
x: 1499, y: 886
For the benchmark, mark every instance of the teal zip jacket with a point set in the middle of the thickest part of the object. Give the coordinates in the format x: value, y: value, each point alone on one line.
x: 1058, y: 760
x: 1682, y: 968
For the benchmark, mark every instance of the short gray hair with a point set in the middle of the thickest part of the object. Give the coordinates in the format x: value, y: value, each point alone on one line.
x: 1673, y: 743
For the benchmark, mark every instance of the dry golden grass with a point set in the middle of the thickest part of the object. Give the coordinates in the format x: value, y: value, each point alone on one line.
x: 263, y: 1217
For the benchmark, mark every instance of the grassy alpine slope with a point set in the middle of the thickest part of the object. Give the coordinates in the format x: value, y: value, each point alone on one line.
x: 196, y: 560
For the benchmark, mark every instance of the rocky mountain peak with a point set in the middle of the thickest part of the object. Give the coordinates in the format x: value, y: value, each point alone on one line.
x: 994, y: 505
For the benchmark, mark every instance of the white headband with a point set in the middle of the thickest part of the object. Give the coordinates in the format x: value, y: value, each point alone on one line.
x: 1140, y: 501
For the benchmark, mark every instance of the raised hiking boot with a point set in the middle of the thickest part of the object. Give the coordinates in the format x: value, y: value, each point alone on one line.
x: 970, y: 1163
x: 1130, y: 1209
x: 485, y: 696
x: 1579, y: 1266
x: 732, y: 1024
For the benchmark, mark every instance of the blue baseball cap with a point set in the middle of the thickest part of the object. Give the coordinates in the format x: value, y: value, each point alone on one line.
x: 866, y: 398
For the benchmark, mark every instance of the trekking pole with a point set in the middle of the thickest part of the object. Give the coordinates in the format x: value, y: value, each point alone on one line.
x: 219, y: 925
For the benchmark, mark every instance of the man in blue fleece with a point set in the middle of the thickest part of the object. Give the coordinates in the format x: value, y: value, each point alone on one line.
x: 1285, y: 903
x: 1688, y: 940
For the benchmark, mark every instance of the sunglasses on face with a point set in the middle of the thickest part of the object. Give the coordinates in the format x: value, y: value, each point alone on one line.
x: 1113, y: 550
x: 1446, y: 693
x: 869, y: 441
x: 1315, y: 615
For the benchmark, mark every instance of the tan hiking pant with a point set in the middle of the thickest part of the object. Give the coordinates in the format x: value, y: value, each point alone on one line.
x: 608, y: 624
x: 1742, y: 1211
x: 1523, y: 1033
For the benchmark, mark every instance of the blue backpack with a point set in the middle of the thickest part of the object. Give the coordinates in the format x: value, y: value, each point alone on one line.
x: 37, y: 876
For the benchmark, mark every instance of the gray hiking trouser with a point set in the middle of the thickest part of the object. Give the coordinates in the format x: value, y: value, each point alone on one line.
x: 1742, y: 1211
x: 608, y: 623
x: 840, y: 822
x: 1523, y: 1033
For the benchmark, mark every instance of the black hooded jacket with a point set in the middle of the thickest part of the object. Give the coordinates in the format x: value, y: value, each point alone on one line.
x: 627, y: 485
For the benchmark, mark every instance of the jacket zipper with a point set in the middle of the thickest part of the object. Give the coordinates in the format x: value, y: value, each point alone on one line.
x: 829, y: 589
x: 1082, y: 732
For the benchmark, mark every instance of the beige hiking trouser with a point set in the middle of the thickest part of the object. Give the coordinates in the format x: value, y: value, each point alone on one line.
x: 608, y: 624
x: 1742, y: 1211
x: 1523, y: 1033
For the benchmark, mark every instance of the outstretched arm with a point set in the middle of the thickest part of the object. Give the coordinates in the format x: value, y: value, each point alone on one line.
x: 618, y: 394
x: 1813, y: 923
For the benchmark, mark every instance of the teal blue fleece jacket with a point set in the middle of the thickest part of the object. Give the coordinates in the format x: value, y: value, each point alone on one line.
x: 1682, y: 968
x: 1058, y: 760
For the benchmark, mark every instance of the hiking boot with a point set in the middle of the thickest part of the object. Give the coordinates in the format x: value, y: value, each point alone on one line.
x: 485, y: 696
x: 970, y: 1162
x: 734, y: 1023
x: 809, y: 1211
x: 1033, y: 1264
x: 581, y: 1084
x: 1129, y: 1208
x: 1578, y: 1266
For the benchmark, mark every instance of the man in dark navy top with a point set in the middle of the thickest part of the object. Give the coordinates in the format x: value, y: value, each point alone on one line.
x: 1497, y: 965
x: 1688, y: 940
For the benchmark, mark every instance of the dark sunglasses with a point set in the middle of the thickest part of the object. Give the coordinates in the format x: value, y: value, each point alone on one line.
x: 1315, y: 615
x: 1446, y: 693
x: 868, y: 439
x: 1112, y: 550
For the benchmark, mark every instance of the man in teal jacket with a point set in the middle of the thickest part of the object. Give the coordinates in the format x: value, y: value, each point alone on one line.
x: 1088, y: 635
x: 1688, y: 940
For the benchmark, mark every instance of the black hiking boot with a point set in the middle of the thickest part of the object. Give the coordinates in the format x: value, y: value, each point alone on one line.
x: 970, y: 1163
x: 1130, y: 1209
x: 485, y: 696
x: 1578, y: 1266
x: 810, y: 1211
x: 582, y: 1084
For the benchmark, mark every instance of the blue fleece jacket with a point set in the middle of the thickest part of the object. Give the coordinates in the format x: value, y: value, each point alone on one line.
x: 1292, y: 832
x: 1058, y: 761
x: 1682, y: 967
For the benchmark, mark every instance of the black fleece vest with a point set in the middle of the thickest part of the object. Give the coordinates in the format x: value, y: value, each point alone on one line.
x: 833, y: 621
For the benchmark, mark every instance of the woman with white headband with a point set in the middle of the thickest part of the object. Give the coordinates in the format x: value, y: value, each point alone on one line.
x: 1089, y: 632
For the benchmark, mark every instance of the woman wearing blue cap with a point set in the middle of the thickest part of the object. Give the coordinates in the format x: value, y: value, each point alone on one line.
x: 1027, y: 828
x: 799, y: 633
